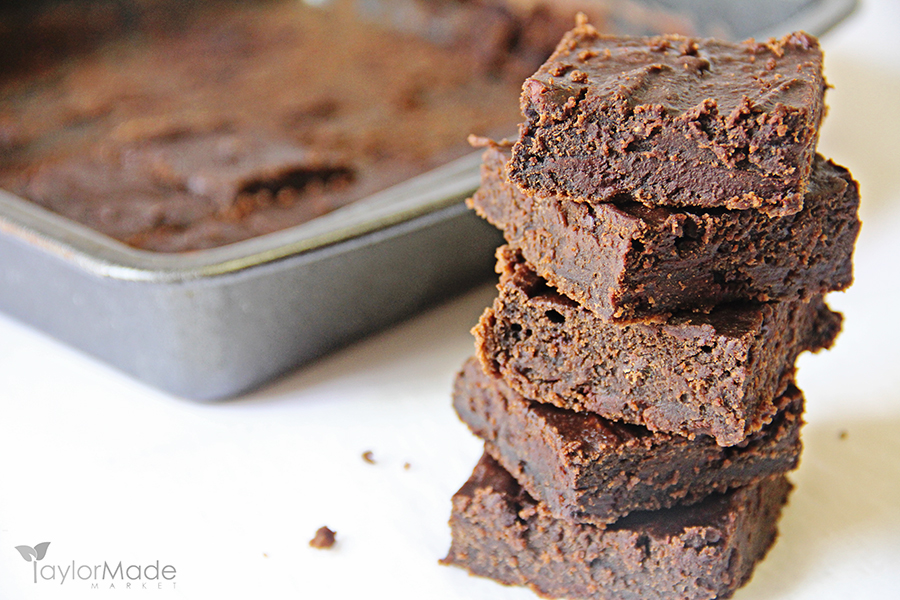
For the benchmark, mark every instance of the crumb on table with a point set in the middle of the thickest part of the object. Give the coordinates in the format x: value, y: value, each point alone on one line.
x: 323, y: 539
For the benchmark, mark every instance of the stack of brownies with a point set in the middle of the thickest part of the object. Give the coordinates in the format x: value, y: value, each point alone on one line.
x: 671, y: 232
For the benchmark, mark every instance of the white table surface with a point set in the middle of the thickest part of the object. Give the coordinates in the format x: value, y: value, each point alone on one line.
x: 229, y: 494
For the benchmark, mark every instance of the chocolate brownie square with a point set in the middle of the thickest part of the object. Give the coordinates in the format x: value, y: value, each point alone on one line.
x: 673, y: 121
x: 629, y: 260
x: 585, y: 468
x: 702, y: 551
x: 692, y: 374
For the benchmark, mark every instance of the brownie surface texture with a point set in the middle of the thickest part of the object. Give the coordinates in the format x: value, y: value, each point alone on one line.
x: 711, y: 374
x: 629, y: 260
x: 706, y: 550
x: 588, y: 469
x: 673, y: 121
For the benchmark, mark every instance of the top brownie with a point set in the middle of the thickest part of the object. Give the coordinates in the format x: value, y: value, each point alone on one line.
x: 673, y: 121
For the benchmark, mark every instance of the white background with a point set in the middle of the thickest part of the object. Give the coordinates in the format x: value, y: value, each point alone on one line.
x: 230, y: 494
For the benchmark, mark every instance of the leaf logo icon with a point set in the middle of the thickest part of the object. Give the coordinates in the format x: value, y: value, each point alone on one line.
x: 37, y: 552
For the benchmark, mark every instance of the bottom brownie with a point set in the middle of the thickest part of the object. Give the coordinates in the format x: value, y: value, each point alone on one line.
x: 706, y: 550
x: 587, y: 469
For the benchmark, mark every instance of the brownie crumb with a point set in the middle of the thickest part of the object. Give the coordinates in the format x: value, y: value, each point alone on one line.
x: 323, y: 539
x: 367, y: 456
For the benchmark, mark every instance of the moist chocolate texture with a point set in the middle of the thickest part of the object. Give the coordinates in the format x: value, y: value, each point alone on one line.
x: 177, y: 126
x: 706, y: 550
x: 588, y: 469
x: 629, y: 261
x: 673, y: 121
x: 713, y: 374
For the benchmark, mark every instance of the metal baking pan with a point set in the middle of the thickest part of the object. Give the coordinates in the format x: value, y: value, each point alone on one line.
x: 215, y: 323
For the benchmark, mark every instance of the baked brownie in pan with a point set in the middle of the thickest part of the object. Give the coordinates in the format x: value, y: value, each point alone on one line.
x: 585, y: 468
x: 629, y: 260
x: 703, y: 551
x: 195, y: 125
x: 711, y: 374
x: 672, y: 120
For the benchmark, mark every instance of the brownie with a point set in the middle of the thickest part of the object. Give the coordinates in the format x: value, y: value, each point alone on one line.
x: 706, y: 550
x: 693, y: 374
x: 585, y: 468
x: 673, y: 121
x: 629, y: 260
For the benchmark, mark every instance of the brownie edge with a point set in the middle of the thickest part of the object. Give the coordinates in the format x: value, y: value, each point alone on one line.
x: 703, y: 551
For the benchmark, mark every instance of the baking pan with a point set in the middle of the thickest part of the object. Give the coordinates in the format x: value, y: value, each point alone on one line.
x: 215, y: 323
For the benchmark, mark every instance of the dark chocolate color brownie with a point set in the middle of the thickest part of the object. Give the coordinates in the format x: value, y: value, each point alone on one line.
x: 588, y: 469
x: 630, y: 260
x: 703, y: 551
x: 715, y: 374
x: 673, y: 121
